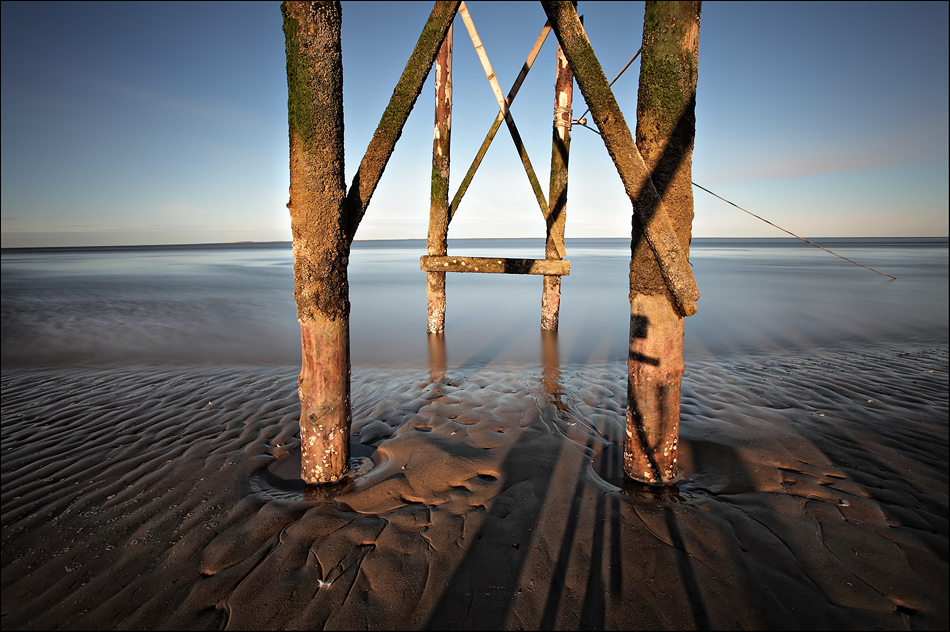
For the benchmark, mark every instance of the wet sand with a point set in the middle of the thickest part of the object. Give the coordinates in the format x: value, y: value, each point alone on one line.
x: 814, y: 494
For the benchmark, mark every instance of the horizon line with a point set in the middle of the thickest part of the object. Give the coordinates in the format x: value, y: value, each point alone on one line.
x: 420, y: 239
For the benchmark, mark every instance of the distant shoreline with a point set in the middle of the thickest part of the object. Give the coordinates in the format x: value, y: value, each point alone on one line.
x: 376, y: 243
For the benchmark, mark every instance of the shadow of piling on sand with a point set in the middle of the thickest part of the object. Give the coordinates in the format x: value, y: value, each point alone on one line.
x: 551, y: 549
x: 852, y: 537
x: 144, y: 475
x: 511, y: 575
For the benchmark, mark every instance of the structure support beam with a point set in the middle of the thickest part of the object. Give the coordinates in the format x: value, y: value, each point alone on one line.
x: 666, y: 126
x: 509, y: 120
x: 496, y: 125
x: 324, y: 218
x: 320, y: 244
x: 496, y: 265
x: 658, y: 228
x: 557, y: 189
x: 437, y: 241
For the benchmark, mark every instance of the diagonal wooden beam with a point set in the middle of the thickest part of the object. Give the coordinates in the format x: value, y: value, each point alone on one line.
x: 496, y: 125
x: 623, y: 150
x: 394, y: 117
x: 512, y: 128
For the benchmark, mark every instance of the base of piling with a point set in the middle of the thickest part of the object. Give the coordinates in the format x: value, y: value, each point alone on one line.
x: 435, y: 301
x: 654, y: 373
x: 550, y: 303
x: 324, y: 389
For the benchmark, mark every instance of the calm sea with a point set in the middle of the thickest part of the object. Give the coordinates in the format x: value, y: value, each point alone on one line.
x: 233, y: 303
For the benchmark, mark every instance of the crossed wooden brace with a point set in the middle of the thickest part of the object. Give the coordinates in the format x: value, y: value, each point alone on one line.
x: 563, y: 19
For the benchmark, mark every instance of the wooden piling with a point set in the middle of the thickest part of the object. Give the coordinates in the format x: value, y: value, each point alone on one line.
x: 437, y: 241
x: 665, y: 106
x: 664, y: 136
x: 324, y: 218
x: 557, y: 189
x: 318, y: 224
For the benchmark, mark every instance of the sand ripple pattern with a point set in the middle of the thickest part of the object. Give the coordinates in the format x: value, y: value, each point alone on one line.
x: 814, y: 494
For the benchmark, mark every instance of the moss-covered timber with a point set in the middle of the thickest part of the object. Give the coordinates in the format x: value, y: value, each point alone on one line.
x: 658, y: 228
x: 318, y: 224
x: 665, y: 130
x: 437, y: 240
x: 317, y: 186
x: 394, y: 117
x: 666, y: 123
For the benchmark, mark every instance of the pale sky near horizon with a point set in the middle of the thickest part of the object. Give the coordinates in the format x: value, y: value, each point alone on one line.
x: 156, y: 123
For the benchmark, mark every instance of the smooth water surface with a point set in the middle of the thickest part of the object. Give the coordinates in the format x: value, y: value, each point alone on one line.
x: 233, y: 303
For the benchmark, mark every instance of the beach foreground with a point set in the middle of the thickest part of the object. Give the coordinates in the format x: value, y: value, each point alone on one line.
x: 814, y: 495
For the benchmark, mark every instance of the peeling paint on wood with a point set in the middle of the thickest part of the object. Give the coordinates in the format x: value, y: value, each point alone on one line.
x: 557, y: 188
x: 654, y: 374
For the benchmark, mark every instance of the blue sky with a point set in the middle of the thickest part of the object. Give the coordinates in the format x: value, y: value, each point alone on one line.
x: 142, y: 123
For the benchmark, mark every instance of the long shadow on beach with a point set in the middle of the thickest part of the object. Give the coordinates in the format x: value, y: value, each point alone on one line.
x: 847, y: 534
x: 480, y: 593
x: 484, y: 586
x: 557, y: 558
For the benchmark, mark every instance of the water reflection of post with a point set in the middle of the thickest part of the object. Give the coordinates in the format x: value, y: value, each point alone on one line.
x: 437, y: 361
x: 551, y: 369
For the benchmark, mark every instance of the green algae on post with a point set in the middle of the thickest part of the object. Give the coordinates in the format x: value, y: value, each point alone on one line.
x: 665, y: 129
x: 320, y: 247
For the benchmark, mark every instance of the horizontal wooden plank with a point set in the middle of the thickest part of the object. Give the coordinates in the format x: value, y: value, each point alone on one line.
x: 495, y: 265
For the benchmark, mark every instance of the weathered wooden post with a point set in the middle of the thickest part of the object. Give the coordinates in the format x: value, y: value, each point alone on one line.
x: 666, y: 124
x: 437, y: 241
x: 557, y: 190
x: 655, y: 364
x: 325, y: 216
x: 320, y: 244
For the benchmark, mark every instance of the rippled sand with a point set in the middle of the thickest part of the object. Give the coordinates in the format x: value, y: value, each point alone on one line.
x: 814, y: 494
